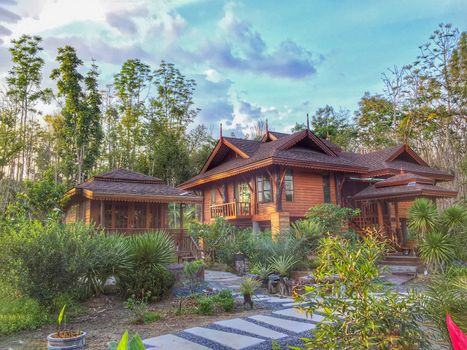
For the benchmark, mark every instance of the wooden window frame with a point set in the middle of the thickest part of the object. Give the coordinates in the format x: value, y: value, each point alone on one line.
x: 289, y: 173
x: 260, y: 189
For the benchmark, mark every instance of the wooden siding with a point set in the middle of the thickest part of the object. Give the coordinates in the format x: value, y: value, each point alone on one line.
x: 308, y: 192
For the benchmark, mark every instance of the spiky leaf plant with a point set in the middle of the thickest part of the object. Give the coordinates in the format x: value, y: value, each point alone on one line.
x: 423, y: 216
x: 436, y: 250
x: 282, y: 264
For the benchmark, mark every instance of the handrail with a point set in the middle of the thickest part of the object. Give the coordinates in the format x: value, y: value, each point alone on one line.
x: 231, y: 209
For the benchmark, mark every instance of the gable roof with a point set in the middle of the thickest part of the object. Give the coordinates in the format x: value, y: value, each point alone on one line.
x: 127, y: 185
x: 283, y: 151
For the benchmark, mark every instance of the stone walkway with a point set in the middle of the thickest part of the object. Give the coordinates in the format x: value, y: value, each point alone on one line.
x: 283, y: 324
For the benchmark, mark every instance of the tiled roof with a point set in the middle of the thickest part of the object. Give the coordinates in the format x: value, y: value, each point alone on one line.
x: 404, y: 179
x: 275, y: 152
x: 405, y: 191
x: 123, y: 182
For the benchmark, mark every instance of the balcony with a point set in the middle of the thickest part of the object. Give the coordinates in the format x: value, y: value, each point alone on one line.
x: 231, y: 210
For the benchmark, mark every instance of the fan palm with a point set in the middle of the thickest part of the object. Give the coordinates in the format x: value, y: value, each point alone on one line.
x: 423, y: 216
x: 437, y: 249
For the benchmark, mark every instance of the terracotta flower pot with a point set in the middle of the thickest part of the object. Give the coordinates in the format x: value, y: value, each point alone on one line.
x: 72, y: 343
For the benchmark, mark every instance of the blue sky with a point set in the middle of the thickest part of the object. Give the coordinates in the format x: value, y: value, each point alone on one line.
x: 251, y: 59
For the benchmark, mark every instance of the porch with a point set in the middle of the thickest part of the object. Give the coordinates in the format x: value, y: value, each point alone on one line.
x: 232, y: 210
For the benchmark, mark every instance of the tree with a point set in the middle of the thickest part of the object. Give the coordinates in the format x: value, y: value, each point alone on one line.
x: 79, y: 125
x: 298, y: 127
x: 333, y: 126
x: 132, y: 90
x: 24, y: 87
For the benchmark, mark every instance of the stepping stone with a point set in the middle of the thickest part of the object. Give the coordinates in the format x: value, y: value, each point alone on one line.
x: 278, y: 300
x: 299, y: 314
x: 242, y: 325
x: 235, y: 341
x: 291, y: 326
x: 170, y: 342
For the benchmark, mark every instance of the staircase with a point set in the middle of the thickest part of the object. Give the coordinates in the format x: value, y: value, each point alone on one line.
x: 399, y: 264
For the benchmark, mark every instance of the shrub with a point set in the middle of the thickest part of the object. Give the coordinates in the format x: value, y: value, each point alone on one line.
x: 356, y: 318
x: 205, y: 305
x: 150, y: 253
x: 225, y: 300
x: 437, y: 250
x: 138, y: 308
x: 190, y: 270
x: 52, y: 259
x: 151, y: 316
x: 263, y: 271
x: 330, y: 217
x: 248, y: 286
x: 309, y: 231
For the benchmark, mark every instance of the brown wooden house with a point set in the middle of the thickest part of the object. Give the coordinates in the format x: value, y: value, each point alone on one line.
x: 129, y: 202
x: 271, y: 182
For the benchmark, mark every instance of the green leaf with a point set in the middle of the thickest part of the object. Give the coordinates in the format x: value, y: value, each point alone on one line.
x: 123, y: 344
x: 60, y: 316
x: 136, y: 343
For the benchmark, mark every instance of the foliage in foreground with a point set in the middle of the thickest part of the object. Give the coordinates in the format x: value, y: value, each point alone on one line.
x: 135, y: 343
x: 447, y: 293
x: 49, y: 260
x: 357, y: 318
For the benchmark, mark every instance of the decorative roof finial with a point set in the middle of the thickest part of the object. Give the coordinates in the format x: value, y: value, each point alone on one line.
x: 307, y: 122
x: 267, y: 126
x: 220, y: 131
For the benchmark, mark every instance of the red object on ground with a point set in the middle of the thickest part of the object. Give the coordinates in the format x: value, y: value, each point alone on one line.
x: 458, y: 338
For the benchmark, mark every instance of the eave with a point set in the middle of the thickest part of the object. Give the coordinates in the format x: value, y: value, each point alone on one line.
x: 391, y: 172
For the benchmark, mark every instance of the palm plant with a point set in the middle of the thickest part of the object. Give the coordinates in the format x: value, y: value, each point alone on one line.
x: 423, y: 216
x: 247, y: 289
x: 282, y: 264
x: 437, y: 250
x: 310, y: 231
x: 156, y: 249
x: 454, y: 218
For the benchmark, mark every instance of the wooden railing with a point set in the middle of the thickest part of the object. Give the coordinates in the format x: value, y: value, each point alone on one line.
x: 231, y: 209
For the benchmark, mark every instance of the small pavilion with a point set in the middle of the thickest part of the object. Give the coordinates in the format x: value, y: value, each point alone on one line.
x: 390, y: 198
x: 129, y: 202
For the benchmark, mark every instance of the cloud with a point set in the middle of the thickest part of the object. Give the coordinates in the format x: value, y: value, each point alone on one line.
x: 124, y: 20
x: 8, y: 16
x: 97, y: 49
x: 241, y: 48
x: 167, y: 27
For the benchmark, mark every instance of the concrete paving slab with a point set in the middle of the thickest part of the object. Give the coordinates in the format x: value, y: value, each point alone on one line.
x: 242, y: 325
x: 235, y: 341
x: 291, y: 326
x: 293, y: 312
x: 170, y: 342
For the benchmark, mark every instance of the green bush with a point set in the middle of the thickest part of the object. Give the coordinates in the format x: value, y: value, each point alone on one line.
x: 149, y: 253
x: 437, y: 250
x: 206, y: 305
x: 355, y: 317
x: 330, y: 217
x: 225, y: 300
x: 49, y: 259
x: 151, y: 316
x: 18, y: 312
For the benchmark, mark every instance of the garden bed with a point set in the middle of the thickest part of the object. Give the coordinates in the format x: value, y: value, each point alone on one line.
x: 105, y: 318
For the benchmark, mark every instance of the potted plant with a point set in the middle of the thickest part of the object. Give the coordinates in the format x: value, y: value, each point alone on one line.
x: 247, y: 289
x: 65, y: 339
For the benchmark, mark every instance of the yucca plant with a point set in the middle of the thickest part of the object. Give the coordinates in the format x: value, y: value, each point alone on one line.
x: 310, y: 231
x: 247, y: 289
x: 282, y: 264
x: 454, y: 218
x: 436, y: 250
x: 423, y: 216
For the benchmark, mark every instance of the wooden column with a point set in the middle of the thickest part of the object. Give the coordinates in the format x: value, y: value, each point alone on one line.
x: 114, y: 216
x: 149, y: 223
x: 131, y: 215
x: 278, y: 188
x: 379, y: 205
x: 398, y: 222
x: 102, y: 218
x: 181, y: 215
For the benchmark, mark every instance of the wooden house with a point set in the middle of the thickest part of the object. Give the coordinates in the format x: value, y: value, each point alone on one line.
x: 272, y: 182
x: 128, y: 202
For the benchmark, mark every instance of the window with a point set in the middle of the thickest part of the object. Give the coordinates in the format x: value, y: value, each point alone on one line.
x: 326, y: 189
x: 264, y: 189
x: 288, y: 185
x: 243, y: 192
x: 121, y: 215
x: 140, y: 215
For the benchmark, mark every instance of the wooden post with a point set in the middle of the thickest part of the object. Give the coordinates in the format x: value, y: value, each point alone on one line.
x: 380, y: 216
x: 181, y: 215
x: 278, y: 189
x: 131, y: 215
x: 225, y: 193
x: 102, y: 218
x: 398, y: 222
x: 148, y: 223
x: 114, y: 216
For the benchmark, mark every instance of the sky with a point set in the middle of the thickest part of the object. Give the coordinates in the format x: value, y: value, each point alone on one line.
x: 251, y: 60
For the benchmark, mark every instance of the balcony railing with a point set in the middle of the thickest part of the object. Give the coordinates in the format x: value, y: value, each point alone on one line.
x: 231, y: 209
